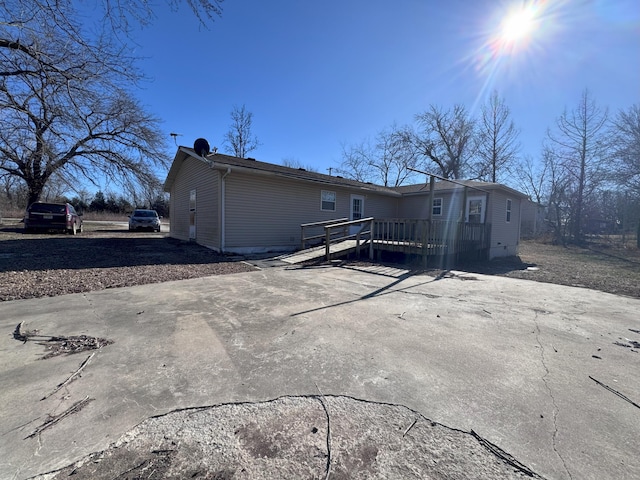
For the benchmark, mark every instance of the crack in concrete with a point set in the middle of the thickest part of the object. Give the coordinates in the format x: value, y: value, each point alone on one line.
x: 553, y: 400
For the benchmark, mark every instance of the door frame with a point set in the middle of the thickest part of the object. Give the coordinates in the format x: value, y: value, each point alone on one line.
x: 353, y: 229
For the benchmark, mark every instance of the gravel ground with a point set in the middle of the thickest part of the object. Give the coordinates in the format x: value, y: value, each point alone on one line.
x: 108, y: 256
x: 103, y: 256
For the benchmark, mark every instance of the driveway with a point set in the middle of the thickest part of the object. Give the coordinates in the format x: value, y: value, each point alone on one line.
x: 540, y: 376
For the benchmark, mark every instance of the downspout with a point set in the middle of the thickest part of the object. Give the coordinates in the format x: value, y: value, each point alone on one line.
x: 520, y: 225
x: 223, y: 210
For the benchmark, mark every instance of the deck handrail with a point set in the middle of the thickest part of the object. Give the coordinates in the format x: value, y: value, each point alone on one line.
x: 322, y: 223
x: 344, y: 225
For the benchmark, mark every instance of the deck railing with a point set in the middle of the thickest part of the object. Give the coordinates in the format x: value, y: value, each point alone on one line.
x: 425, y: 238
x: 315, y: 231
x: 363, y: 227
x: 431, y: 237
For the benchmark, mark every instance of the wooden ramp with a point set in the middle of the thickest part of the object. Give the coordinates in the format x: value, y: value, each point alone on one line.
x: 335, y: 249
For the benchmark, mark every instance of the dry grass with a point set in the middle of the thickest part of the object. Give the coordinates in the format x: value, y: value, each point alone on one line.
x: 604, y: 264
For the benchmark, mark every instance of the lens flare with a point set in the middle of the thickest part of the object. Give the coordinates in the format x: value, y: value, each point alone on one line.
x: 518, y: 25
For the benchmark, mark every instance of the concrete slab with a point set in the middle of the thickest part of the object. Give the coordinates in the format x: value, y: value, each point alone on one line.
x: 513, y: 360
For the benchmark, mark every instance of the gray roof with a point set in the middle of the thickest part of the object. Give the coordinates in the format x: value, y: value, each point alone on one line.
x: 449, y: 186
x: 222, y: 162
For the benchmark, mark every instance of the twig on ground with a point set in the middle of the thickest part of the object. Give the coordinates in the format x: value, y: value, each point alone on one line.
x: 410, y: 427
x: 18, y: 335
x: 60, y: 345
x: 326, y: 411
x: 504, y: 456
x: 73, y: 376
x: 626, y: 399
x: 76, y: 407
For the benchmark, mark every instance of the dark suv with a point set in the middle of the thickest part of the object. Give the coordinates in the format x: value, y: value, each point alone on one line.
x: 52, y: 216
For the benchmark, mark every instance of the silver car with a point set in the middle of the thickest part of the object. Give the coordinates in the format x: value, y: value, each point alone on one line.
x: 144, y: 219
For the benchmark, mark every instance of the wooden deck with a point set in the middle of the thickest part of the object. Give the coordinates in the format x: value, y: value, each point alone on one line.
x: 427, y: 239
x: 432, y: 238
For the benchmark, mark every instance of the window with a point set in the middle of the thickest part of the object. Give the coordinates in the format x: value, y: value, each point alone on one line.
x: 475, y: 210
x: 436, y: 208
x: 508, y: 210
x: 328, y: 201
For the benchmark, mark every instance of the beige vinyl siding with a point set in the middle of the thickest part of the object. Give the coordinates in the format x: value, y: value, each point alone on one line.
x: 195, y: 175
x: 417, y: 206
x: 504, y: 236
x: 265, y: 212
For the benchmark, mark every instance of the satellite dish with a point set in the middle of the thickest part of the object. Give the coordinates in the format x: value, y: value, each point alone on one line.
x: 201, y: 146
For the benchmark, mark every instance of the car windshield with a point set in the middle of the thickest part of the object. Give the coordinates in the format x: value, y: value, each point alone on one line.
x: 145, y: 213
x: 48, y: 208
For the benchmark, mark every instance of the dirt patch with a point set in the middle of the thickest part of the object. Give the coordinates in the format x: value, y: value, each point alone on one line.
x: 599, y: 265
x: 317, y: 437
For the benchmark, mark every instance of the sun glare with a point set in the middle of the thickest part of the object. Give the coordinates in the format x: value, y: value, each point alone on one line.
x: 518, y: 25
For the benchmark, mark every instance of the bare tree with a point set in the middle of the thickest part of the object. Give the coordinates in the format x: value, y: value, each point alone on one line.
x: 581, y: 147
x: 240, y: 140
x: 497, y: 137
x: 559, y: 202
x: 532, y: 178
x: 356, y: 158
x: 292, y: 162
x: 625, y: 132
x: 72, y: 121
x: 385, y: 161
x: 446, y: 138
x: 61, y: 35
x: 65, y: 98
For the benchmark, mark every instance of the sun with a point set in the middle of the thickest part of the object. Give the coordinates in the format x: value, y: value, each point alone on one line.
x: 518, y: 25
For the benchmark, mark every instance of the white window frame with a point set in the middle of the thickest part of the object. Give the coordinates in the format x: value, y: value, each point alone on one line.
x: 483, y: 205
x: 509, y: 210
x: 434, y: 206
x: 325, y: 197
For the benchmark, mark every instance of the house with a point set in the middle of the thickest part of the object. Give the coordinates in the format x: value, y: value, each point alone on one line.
x: 241, y: 205
x: 533, y: 221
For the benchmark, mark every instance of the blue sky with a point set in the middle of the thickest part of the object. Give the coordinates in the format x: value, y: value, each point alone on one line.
x: 318, y: 74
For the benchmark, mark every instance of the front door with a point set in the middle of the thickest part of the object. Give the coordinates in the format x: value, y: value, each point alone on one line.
x: 357, y: 212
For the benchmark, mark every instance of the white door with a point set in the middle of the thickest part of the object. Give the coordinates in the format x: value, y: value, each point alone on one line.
x: 356, y: 212
x: 475, y: 210
x: 192, y: 215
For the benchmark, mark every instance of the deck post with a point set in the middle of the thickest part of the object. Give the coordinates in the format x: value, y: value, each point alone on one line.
x: 328, y: 243
x: 371, y: 239
x: 425, y: 241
